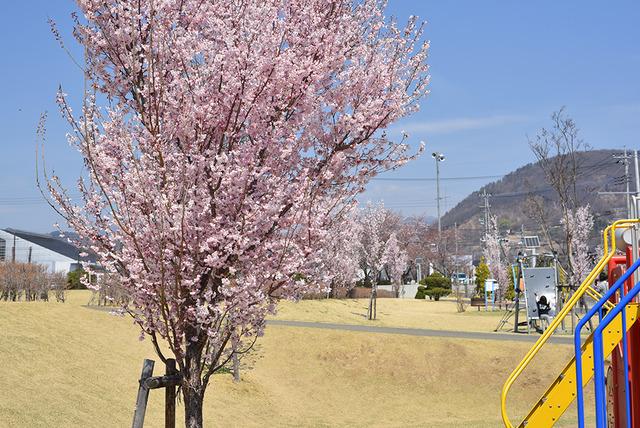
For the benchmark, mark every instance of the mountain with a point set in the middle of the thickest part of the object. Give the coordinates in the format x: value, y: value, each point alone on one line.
x: 599, y: 172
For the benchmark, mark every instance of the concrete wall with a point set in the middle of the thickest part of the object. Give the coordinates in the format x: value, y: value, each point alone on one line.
x: 53, y: 261
x: 409, y: 290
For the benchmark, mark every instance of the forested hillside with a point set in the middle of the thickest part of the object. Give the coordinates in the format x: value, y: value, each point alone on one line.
x: 599, y: 171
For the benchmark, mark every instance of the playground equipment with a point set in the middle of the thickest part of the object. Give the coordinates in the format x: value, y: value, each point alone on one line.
x: 540, y: 293
x: 536, y: 291
x: 616, y: 337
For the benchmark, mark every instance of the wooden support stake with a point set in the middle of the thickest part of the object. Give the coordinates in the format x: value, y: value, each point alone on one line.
x: 143, y: 395
x: 163, y: 381
x: 170, y: 396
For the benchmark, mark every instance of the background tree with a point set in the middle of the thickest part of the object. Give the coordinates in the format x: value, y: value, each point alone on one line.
x: 339, y: 255
x: 557, y: 150
x: 414, y: 237
x: 371, y: 245
x: 437, y: 286
x: 29, y: 282
x: 580, y: 226
x: 441, y: 251
x: 75, y: 279
x: 482, y: 274
x: 228, y: 136
x: 395, y: 261
x: 494, y: 258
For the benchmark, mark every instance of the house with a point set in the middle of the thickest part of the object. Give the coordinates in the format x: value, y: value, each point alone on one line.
x: 55, y: 253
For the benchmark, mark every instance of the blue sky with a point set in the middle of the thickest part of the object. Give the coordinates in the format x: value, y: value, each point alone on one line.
x: 499, y: 68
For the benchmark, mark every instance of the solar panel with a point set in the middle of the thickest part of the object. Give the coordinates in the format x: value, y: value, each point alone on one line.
x: 531, y: 241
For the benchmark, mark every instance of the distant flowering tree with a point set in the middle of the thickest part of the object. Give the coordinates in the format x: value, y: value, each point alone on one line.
x: 493, y: 257
x: 220, y: 139
x: 396, y: 261
x: 339, y: 255
x: 579, y: 226
x: 371, y: 244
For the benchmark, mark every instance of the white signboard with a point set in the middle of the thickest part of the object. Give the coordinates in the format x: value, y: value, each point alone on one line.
x: 491, y: 285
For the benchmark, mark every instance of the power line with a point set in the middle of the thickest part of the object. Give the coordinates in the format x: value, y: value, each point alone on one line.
x: 478, y: 177
x: 28, y: 200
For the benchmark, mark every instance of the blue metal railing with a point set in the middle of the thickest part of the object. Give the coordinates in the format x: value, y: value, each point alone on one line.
x: 598, y: 353
x: 597, y: 309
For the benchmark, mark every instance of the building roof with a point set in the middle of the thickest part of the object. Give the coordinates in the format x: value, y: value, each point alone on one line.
x: 54, y: 244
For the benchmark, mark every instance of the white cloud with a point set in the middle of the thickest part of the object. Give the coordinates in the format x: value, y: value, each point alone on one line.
x: 450, y: 126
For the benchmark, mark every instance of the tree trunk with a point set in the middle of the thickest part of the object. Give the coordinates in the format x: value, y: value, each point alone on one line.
x: 192, y: 387
x: 375, y: 302
x: 372, y: 302
x: 236, y: 368
x: 192, y: 407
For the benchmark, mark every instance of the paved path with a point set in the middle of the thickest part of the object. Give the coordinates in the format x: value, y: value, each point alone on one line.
x: 565, y: 340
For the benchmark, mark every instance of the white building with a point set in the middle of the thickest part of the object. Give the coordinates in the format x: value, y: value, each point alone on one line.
x: 27, y: 247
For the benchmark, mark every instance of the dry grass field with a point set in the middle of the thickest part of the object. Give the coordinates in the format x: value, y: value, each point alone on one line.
x: 69, y: 366
x: 410, y: 313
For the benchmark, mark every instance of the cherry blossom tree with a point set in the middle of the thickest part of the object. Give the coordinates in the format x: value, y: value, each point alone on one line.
x: 579, y: 225
x: 395, y: 261
x: 493, y: 257
x: 416, y: 237
x: 220, y: 139
x: 371, y: 247
x: 339, y: 255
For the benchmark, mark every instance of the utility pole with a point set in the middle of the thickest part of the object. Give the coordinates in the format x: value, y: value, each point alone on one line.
x: 439, y: 157
x: 635, y: 162
x: 624, y: 160
x: 455, y: 228
x: 487, y: 214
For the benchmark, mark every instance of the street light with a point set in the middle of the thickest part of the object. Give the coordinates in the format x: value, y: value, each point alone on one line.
x: 439, y: 157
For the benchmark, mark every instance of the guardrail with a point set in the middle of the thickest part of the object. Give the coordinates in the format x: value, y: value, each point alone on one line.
x: 598, y: 357
x: 597, y: 309
x: 585, y: 287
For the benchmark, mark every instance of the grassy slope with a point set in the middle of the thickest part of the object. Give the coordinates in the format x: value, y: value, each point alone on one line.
x: 68, y: 366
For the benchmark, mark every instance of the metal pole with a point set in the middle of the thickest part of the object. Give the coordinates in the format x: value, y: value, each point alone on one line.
x: 516, y: 289
x: 635, y: 162
x: 624, y: 159
x: 455, y: 228
x: 627, y: 179
x: 636, y: 213
x: 487, y: 215
x: 634, y: 237
x: 438, y: 196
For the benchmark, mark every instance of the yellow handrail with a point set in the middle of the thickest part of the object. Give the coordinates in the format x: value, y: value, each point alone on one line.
x: 608, y: 254
x: 597, y: 296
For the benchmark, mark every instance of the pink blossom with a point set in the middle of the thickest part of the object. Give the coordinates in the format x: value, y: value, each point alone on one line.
x: 494, y: 257
x: 231, y: 136
x: 579, y: 226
